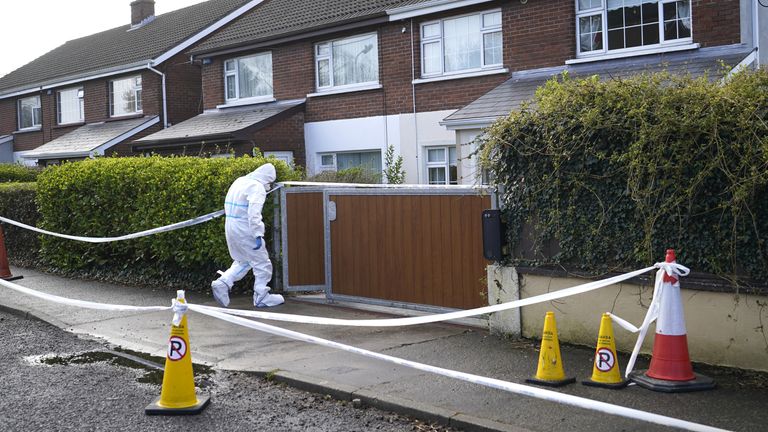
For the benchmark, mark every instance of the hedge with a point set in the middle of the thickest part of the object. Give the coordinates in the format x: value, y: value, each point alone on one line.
x: 116, y: 196
x: 614, y: 172
x: 14, y: 173
x: 17, y: 202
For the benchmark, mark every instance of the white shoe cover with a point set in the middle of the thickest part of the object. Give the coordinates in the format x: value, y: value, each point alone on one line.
x: 270, y: 300
x: 220, y: 292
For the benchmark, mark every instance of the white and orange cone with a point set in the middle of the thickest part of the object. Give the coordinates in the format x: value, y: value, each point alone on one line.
x: 671, y: 369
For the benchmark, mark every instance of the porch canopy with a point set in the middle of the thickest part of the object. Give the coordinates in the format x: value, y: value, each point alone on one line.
x: 91, y: 139
x: 220, y: 126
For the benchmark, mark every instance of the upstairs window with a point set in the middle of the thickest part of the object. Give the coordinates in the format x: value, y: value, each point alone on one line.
x: 459, y: 45
x: 248, y: 77
x: 125, y: 96
x: 30, y: 116
x: 348, y: 62
x: 614, y: 25
x: 70, y: 106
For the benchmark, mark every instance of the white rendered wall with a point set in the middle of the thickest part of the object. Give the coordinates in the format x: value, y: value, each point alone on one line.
x: 408, y: 138
x: 469, y: 173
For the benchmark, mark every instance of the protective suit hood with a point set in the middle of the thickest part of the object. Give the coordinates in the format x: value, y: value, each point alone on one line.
x: 264, y: 174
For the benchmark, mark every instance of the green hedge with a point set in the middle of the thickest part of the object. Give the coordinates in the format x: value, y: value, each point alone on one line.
x: 17, y: 202
x: 116, y: 196
x: 614, y: 172
x: 14, y: 173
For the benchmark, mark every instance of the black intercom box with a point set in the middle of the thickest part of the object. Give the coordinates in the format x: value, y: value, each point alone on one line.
x: 494, y: 233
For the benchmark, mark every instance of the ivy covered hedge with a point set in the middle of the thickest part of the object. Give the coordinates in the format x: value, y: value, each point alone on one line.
x: 614, y: 172
x: 17, y: 202
x: 14, y: 173
x: 115, y: 196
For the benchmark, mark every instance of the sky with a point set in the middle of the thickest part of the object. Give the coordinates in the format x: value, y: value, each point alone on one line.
x: 31, y: 28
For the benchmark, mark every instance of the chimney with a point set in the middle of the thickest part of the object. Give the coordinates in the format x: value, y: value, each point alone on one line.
x: 141, y: 10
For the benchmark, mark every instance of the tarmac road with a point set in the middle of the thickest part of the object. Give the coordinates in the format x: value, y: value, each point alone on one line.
x: 52, y: 380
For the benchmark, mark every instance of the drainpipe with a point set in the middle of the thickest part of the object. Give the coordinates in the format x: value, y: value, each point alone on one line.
x: 165, y: 102
x: 756, y: 29
x: 413, y: 97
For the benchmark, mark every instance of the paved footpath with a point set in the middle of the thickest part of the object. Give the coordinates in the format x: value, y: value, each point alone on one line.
x: 738, y: 404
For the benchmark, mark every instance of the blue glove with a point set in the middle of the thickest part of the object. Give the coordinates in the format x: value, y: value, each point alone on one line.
x: 258, y: 243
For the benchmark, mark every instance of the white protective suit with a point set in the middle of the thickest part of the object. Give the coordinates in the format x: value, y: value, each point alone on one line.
x: 244, y: 230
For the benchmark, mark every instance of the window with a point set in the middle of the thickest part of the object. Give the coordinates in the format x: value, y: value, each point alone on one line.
x: 441, y: 166
x: 249, y: 77
x: 368, y: 160
x: 30, y: 116
x: 285, y: 156
x: 352, y: 61
x: 631, y: 24
x: 463, y: 44
x: 125, y: 96
x: 70, y: 106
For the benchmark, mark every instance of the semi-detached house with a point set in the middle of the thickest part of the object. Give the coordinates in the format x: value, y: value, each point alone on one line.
x: 331, y: 84
x: 95, y: 95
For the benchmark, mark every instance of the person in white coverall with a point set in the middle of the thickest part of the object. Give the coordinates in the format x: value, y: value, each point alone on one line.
x: 244, y: 229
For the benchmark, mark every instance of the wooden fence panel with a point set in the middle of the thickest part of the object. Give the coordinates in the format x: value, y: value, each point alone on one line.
x: 422, y: 249
x: 306, y: 239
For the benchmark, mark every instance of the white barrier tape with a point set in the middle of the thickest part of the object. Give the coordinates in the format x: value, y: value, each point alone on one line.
x: 179, y: 225
x: 82, y: 303
x: 394, y: 322
x: 179, y: 309
x: 538, y: 393
x: 188, y: 223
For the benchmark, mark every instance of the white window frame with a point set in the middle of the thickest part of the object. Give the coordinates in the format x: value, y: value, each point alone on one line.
x: 439, y: 39
x: 39, y: 108
x: 335, y: 88
x: 603, y: 10
x: 326, y: 167
x: 236, y: 73
x: 138, y: 104
x: 444, y: 164
x: 81, y: 104
x: 285, y: 156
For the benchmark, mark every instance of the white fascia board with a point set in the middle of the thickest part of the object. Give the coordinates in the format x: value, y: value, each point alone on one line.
x: 207, y: 31
x: 120, y: 138
x: 431, y: 7
x: 475, y: 123
x: 65, y: 81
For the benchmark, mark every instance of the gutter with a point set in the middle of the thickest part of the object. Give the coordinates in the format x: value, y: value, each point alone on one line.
x: 431, y: 7
x: 165, y: 100
x: 473, y: 123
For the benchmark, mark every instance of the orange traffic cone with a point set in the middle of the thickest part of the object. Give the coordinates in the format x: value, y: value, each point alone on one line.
x: 5, y: 270
x: 671, y: 370
x: 605, y: 371
x: 550, y: 370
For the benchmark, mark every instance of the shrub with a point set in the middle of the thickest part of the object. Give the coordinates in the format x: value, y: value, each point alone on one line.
x: 17, y: 202
x: 613, y: 172
x: 12, y: 173
x: 349, y: 175
x: 115, y: 196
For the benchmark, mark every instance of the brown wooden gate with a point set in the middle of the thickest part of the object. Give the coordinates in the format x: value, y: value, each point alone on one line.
x: 414, y: 246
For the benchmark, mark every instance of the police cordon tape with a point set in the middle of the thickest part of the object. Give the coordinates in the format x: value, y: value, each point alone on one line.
x: 179, y: 225
x: 180, y: 309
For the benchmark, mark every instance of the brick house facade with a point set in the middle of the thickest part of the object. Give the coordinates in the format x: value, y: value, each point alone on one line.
x: 151, y: 51
x: 406, y: 109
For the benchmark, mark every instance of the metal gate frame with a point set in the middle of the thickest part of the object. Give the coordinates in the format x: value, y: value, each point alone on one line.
x: 284, y: 238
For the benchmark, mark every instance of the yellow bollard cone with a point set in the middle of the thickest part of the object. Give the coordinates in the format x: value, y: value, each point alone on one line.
x: 177, y: 396
x: 550, y: 370
x: 605, y: 370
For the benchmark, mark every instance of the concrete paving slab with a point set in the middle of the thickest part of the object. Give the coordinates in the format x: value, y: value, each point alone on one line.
x: 735, y: 405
